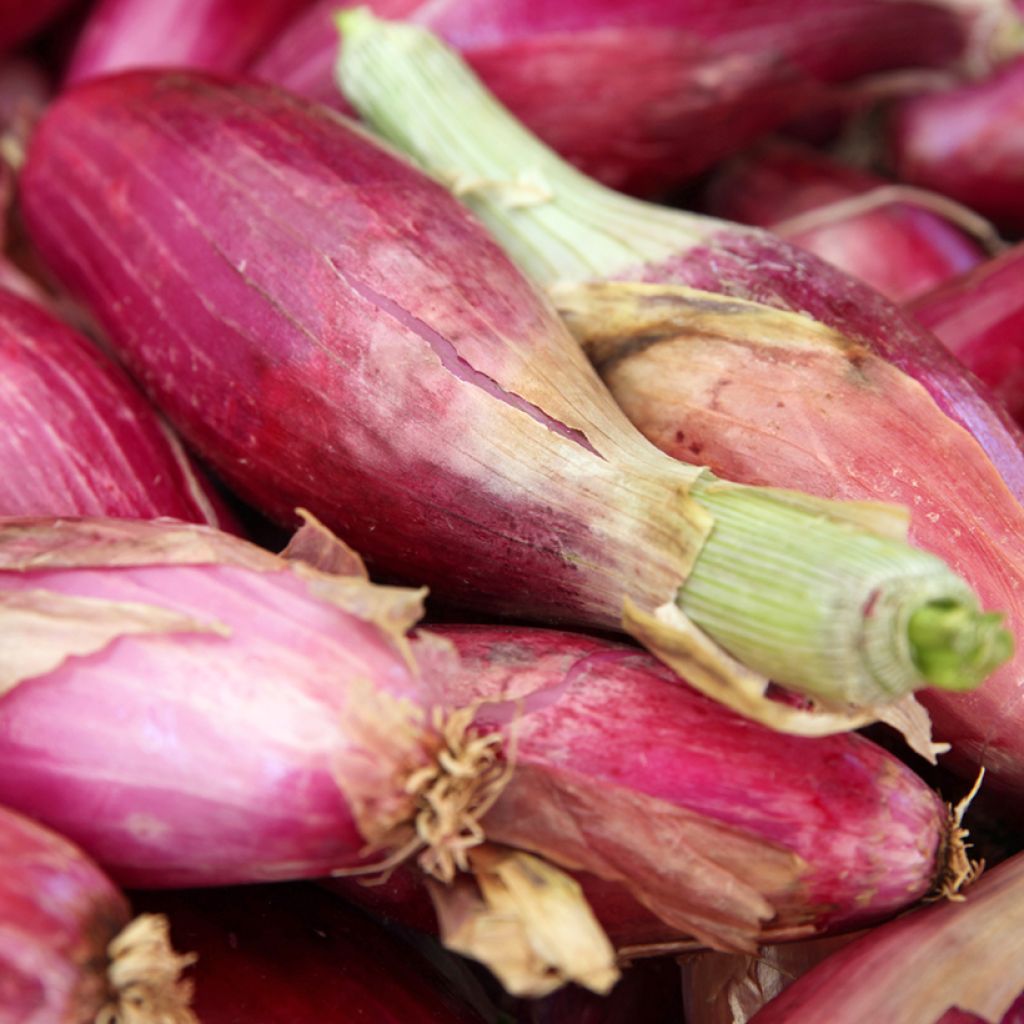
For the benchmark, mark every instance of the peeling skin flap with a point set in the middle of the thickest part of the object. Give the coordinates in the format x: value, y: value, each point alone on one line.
x: 40, y: 629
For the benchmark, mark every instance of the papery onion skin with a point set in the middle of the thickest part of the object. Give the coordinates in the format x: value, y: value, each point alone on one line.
x: 603, y: 740
x: 966, y: 143
x: 194, y: 758
x: 643, y: 95
x: 294, y: 316
x: 58, y: 912
x: 979, y: 317
x: 218, y: 35
x: 899, y: 248
x: 78, y: 438
x: 295, y: 954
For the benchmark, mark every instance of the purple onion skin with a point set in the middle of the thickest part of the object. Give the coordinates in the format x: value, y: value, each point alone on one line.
x: 967, y: 143
x: 216, y: 35
x: 643, y: 95
x: 195, y: 759
x: 294, y: 954
x: 979, y: 317
x: 900, y: 249
x: 58, y: 913
x: 330, y: 329
x: 20, y: 20
x: 79, y: 439
x: 867, y: 828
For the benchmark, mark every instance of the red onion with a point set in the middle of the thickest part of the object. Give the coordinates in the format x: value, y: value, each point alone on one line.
x: 220, y: 35
x: 865, y: 830
x: 67, y: 951
x: 966, y: 143
x: 711, y: 349
x: 293, y: 954
x: 896, y: 242
x: 644, y: 94
x: 79, y: 439
x: 963, y: 956
x: 20, y: 20
x: 336, y: 332
x: 979, y: 317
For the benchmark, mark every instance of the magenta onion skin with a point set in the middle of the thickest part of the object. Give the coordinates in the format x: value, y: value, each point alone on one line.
x: 294, y: 954
x: 979, y: 317
x: 189, y: 758
x: 79, y: 439
x: 20, y: 20
x: 866, y: 826
x: 898, y: 248
x: 966, y: 143
x: 58, y: 914
x: 218, y: 35
x: 643, y: 95
x: 317, y: 265
x: 939, y: 964
x: 867, y: 829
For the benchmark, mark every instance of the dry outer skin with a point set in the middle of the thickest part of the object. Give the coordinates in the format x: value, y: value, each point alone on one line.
x: 772, y: 398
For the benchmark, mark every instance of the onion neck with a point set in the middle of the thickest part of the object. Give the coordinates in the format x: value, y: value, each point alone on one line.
x: 830, y: 611
x: 555, y: 222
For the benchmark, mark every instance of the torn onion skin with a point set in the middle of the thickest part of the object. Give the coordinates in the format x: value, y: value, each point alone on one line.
x: 317, y: 265
x: 59, y: 914
x: 643, y: 95
x: 947, y: 963
x: 294, y: 954
x: 79, y: 439
x: 901, y: 249
x: 966, y: 143
x: 779, y: 370
x: 979, y: 317
x: 200, y: 749
x: 867, y: 831
x: 216, y: 35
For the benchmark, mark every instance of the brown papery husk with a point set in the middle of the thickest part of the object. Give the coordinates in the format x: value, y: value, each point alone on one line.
x: 966, y: 955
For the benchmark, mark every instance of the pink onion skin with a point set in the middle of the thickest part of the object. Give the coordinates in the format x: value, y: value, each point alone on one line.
x: 20, y: 20
x: 58, y: 913
x: 186, y: 759
x: 310, y: 313
x: 865, y: 824
x: 979, y: 317
x: 900, y: 249
x: 902, y: 970
x: 79, y: 439
x: 867, y: 827
x: 217, y: 35
x: 966, y: 143
x: 643, y: 95
x: 292, y: 954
